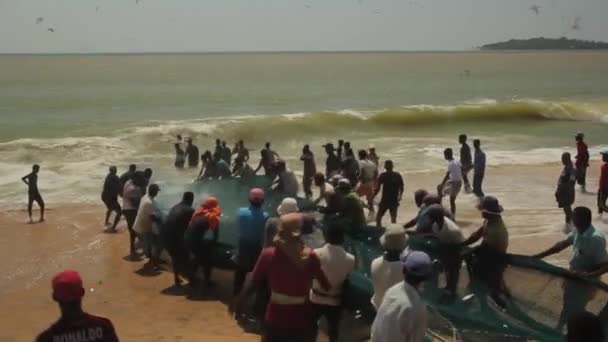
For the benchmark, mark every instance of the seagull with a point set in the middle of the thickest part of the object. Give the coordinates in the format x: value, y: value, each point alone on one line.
x: 577, y: 23
x: 50, y: 30
x: 535, y: 9
x: 39, y: 20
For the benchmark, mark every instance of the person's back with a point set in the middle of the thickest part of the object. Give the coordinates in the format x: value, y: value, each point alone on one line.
x: 392, y: 183
x: 252, y: 221
x: 402, y: 316
x: 449, y: 233
x: 495, y: 235
x: 226, y: 154
x: 193, y: 155
x: 465, y: 155
x: 222, y: 169
x: 111, y: 186
x: 288, y: 182
x: 85, y: 328
x: 368, y: 170
x: 353, y: 210
x: 176, y: 224
x: 131, y: 195
x: 385, y: 274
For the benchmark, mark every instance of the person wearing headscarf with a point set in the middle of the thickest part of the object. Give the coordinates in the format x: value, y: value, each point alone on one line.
x: 206, y: 218
x: 290, y: 267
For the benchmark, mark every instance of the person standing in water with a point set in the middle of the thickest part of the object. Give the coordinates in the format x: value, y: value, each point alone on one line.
x: 226, y: 153
x: 242, y: 157
x: 602, y: 193
x: 466, y: 161
x: 109, y: 196
x: 392, y: 186
x: 479, y: 169
x: 180, y: 157
x: 75, y: 324
x: 452, y: 182
x: 310, y: 168
x: 582, y: 161
x: 371, y: 155
x: 31, y: 180
x: 192, y: 154
x: 564, y: 195
x: 332, y: 164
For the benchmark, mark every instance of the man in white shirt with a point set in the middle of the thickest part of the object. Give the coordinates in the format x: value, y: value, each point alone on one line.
x: 387, y: 269
x: 452, y: 182
x: 450, y: 238
x: 367, y: 178
x: 337, y: 264
x: 403, y: 315
x: 147, y: 224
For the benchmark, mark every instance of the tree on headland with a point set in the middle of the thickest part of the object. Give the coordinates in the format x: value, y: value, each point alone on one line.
x: 542, y: 43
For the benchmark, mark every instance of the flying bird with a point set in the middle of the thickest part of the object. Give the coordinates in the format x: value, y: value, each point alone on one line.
x: 39, y: 20
x: 577, y: 23
x: 50, y: 30
x: 535, y: 9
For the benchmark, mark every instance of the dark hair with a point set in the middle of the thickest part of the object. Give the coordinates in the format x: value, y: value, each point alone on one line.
x: 132, y: 167
x: 583, y: 215
x: 412, y: 279
x: 188, y: 197
x: 153, y: 189
x: 585, y: 327
x: 476, y: 142
x: 388, y: 164
x: 267, y: 144
x: 148, y: 172
x: 335, y: 234
x: 462, y: 137
x: 319, y: 176
x: 362, y: 154
x: 419, y: 196
x: 448, y: 152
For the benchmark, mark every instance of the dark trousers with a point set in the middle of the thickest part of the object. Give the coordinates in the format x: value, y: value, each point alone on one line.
x: 181, y: 265
x: 602, y: 196
x: 332, y: 315
x: 449, y: 256
x: 275, y: 334
x: 307, y: 185
x: 130, y: 215
x: 581, y: 175
x: 477, y: 182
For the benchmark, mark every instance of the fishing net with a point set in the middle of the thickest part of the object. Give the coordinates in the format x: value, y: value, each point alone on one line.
x: 523, y: 299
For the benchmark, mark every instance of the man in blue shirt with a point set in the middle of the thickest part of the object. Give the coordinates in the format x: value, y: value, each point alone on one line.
x: 252, y: 221
x: 589, y: 258
x: 479, y: 168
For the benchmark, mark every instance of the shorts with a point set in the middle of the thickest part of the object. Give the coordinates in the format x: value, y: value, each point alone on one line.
x: 451, y: 188
x: 111, y: 203
x: 391, y: 207
x: 35, y: 197
x: 366, y: 189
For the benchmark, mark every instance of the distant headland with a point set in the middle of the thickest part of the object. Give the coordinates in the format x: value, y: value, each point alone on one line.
x: 546, y: 44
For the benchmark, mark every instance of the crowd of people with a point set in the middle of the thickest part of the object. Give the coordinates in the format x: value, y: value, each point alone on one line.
x: 298, y: 271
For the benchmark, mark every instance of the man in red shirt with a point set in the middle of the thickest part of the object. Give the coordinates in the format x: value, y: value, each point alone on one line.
x: 582, y: 161
x: 75, y: 324
x: 289, y: 267
x: 602, y: 193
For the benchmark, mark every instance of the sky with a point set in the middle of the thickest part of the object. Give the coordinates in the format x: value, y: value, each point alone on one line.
x: 93, y: 26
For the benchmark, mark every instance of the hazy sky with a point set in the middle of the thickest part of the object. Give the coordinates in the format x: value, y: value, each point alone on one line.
x: 265, y: 25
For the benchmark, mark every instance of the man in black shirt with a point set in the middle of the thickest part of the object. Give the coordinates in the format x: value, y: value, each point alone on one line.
x: 109, y: 196
x: 192, y: 153
x: 173, y: 236
x: 466, y: 160
x: 332, y: 164
x: 392, y: 187
x: 33, y: 194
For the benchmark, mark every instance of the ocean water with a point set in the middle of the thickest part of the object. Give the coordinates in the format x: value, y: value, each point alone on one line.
x: 76, y: 115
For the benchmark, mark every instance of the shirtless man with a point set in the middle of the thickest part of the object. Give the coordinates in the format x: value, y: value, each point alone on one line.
x: 310, y: 168
x: 33, y: 194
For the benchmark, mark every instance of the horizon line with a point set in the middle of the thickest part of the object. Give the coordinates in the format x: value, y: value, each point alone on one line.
x: 228, y: 52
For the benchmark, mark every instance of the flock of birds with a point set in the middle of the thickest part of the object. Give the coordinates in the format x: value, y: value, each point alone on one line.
x: 536, y: 9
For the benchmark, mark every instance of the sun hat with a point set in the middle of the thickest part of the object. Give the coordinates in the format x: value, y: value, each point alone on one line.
x: 67, y: 287
x: 490, y: 205
x: 288, y: 205
x: 394, y: 238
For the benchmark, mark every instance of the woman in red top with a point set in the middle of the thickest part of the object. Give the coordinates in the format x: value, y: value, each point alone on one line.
x: 602, y: 193
x: 290, y: 268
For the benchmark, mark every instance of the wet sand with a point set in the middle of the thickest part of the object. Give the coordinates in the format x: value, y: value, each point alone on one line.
x: 145, y: 307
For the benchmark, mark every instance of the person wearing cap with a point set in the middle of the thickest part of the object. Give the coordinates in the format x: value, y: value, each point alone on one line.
x: 250, y: 236
x: 337, y: 264
x: 204, y: 220
x: 147, y: 226
x: 332, y: 163
x: 367, y: 179
x: 392, y: 186
x: 582, y: 161
x: 288, y: 205
x: 192, y: 154
x: 131, y: 196
x: 386, y: 270
x: 403, y: 315
x: 109, y: 196
x: 452, y: 182
x: 351, y: 207
x: 450, y: 238
x: 490, y: 255
x: 371, y: 155
x: 310, y: 169
x: 325, y: 189
x: 289, y: 267
x: 479, y: 169
x: 590, y: 259
x: 602, y: 193
x: 75, y: 324
x: 565, y: 194
x: 287, y: 182
x: 173, y: 231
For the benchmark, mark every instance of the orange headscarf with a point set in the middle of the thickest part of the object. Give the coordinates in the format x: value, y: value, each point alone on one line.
x: 211, y: 210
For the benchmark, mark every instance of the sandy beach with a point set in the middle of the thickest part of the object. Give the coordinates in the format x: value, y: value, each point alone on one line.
x: 145, y: 308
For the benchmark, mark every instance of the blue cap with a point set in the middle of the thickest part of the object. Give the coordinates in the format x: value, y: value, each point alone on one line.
x: 416, y: 263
